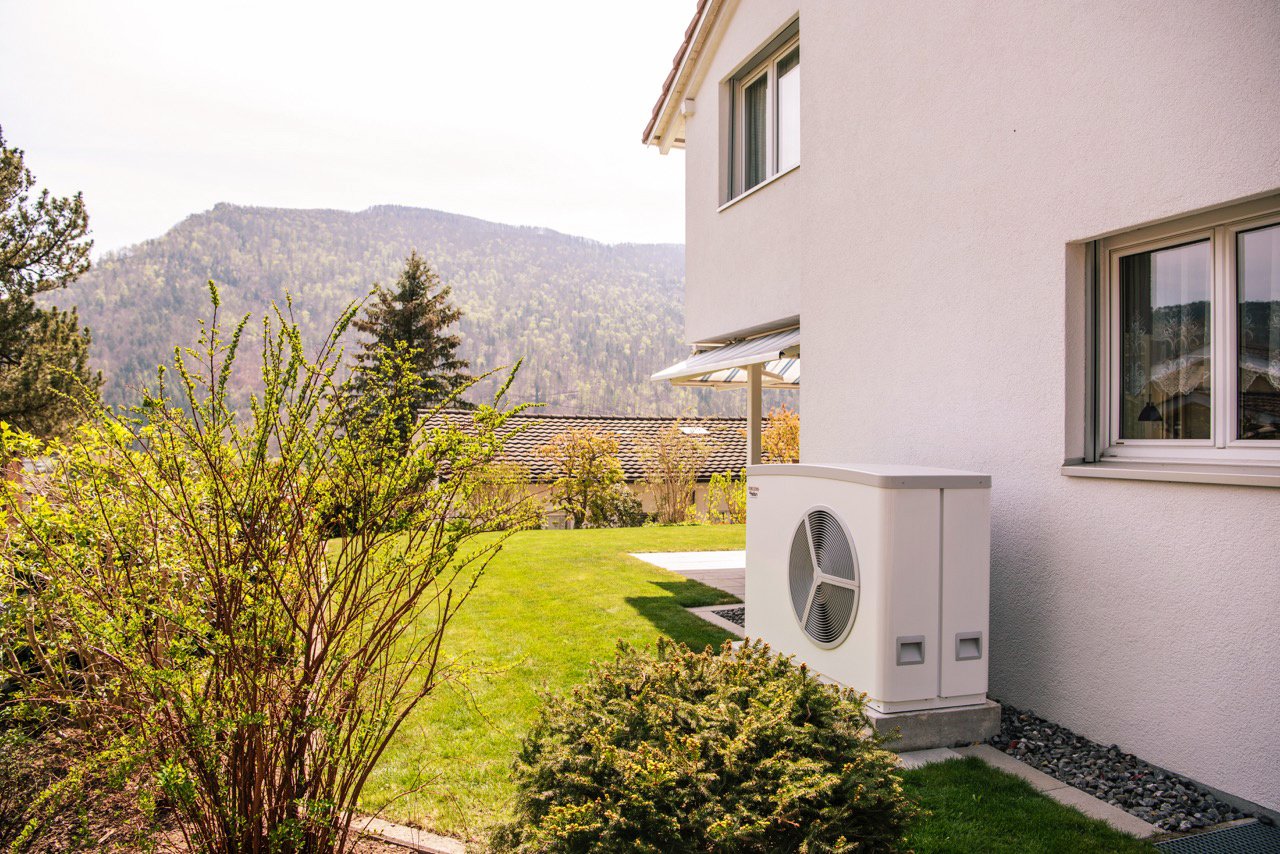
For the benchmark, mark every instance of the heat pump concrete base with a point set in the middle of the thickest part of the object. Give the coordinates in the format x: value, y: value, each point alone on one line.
x: 938, y: 727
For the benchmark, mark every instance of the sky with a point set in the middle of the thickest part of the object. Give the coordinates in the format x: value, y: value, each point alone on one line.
x: 519, y: 111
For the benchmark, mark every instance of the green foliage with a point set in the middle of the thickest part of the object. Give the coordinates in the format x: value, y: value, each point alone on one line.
x: 42, y: 392
x: 588, y: 482
x: 727, y: 499
x: 780, y: 439
x: 43, y: 243
x: 506, y: 485
x: 408, y: 327
x: 591, y: 321
x: 170, y: 588
x: 43, y: 352
x: 739, y: 750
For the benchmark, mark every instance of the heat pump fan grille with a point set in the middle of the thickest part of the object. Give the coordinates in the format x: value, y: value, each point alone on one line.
x: 824, y: 578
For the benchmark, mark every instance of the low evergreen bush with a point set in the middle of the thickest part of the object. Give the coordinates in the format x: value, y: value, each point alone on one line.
x: 736, y: 751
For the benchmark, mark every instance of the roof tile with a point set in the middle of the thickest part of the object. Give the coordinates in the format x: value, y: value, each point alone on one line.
x: 727, y: 438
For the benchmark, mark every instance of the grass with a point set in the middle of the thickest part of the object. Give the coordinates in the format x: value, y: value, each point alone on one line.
x: 977, y: 808
x: 550, y: 603
x: 554, y: 601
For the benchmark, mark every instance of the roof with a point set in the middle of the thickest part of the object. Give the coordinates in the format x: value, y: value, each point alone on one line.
x: 678, y: 64
x: 727, y: 438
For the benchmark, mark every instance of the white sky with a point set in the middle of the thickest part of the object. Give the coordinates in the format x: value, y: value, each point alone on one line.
x: 518, y: 111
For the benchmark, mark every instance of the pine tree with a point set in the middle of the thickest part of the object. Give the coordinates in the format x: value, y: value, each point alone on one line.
x: 409, y: 352
x: 43, y: 351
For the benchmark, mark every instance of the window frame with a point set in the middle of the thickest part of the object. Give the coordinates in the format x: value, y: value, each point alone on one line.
x: 1221, y: 228
x: 763, y: 64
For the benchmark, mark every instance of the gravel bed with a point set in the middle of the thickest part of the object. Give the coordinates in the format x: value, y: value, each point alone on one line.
x: 1170, y: 802
x: 737, y: 616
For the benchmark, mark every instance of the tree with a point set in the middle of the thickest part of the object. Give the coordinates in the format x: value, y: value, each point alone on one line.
x: 40, y: 393
x: 43, y: 352
x: 407, y: 329
x: 175, y: 595
x: 780, y: 441
x: 671, y: 464
x: 589, y: 483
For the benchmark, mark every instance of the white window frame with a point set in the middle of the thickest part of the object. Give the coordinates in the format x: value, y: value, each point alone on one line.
x: 1220, y: 228
x: 765, y: 66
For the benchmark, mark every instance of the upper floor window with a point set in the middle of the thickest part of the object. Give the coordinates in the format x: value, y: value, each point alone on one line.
x: 1190, y: 362
x: 765, y: 117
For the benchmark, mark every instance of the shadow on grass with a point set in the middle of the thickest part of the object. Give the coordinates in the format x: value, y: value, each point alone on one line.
x: 668, y: 615
x: 695, y: 594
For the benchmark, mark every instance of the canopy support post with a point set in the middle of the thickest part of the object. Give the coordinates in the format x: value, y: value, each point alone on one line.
x: 755, y: 373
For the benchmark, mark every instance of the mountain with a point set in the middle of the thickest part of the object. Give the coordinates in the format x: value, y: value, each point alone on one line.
x: 591, y: 320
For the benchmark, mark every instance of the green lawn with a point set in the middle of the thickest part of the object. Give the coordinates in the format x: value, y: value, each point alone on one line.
x: 977, y: 808
x: 550, y: 603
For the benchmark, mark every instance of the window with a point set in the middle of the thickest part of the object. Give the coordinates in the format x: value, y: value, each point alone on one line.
x: 765, y: 116
x: 1189, y: 339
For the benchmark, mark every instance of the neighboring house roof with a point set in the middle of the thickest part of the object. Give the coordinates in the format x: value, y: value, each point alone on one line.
x: 727, y: 438
x: 694, y: 37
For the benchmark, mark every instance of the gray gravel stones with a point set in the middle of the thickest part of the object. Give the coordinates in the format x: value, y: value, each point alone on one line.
x: 1170, y: 802
x: 738, y: 616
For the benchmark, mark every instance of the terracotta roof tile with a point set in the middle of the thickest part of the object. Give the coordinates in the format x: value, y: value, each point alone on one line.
x: 726, y: 436
x: 675, y: 69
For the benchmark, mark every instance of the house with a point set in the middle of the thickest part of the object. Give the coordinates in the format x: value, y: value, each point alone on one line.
x: 1040, y: 241
x: 531, y: 430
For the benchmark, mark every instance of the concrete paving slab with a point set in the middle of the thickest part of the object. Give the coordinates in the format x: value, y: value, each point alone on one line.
x: 684, y: 561
x: 722, y: 570
x: 920, y: 758
x: 708, y: 613
x: 731, y: 581
x: 999, y: 759
x: 1094, y: 808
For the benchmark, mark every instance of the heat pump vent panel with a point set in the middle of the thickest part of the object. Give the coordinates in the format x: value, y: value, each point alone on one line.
x: 823, y: 575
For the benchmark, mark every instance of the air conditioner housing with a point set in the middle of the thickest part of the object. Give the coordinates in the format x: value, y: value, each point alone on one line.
x: 897, y: 606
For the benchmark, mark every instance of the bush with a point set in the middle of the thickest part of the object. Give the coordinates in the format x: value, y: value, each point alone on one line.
x: 780, y: 440
x: 171, y: 590
x: 681, y: 751
x: 729, y: 492
x: 617, y: 507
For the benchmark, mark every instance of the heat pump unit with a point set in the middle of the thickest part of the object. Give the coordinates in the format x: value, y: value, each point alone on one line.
x: 877, y: 577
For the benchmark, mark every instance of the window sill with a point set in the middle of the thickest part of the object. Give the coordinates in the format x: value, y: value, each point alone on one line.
x: 757, y: 188
x: 1230, y: 475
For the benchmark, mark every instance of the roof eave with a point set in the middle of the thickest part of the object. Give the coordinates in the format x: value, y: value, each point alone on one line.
x: 665, y: 129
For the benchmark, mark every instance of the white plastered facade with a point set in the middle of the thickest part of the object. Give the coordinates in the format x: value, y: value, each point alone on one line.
x: 956, y: 157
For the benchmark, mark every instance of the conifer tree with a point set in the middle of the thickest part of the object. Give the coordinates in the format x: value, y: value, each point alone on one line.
x: 409, y: 344
x: 44, y: 246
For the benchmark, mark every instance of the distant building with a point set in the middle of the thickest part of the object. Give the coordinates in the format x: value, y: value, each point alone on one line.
x: 726, y: 438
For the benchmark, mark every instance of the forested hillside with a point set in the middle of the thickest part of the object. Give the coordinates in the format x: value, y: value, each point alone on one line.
x: 591, y: 320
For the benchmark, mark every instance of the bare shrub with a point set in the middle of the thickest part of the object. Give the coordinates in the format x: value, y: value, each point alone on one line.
x: 671, y: 464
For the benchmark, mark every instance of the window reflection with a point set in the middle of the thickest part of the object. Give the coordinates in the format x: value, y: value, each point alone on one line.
x: 1258, y: 288
x: 1164, y: 350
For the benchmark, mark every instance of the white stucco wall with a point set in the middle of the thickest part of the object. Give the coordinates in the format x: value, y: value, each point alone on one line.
x: 951, y: 152
x: 748, y: 255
